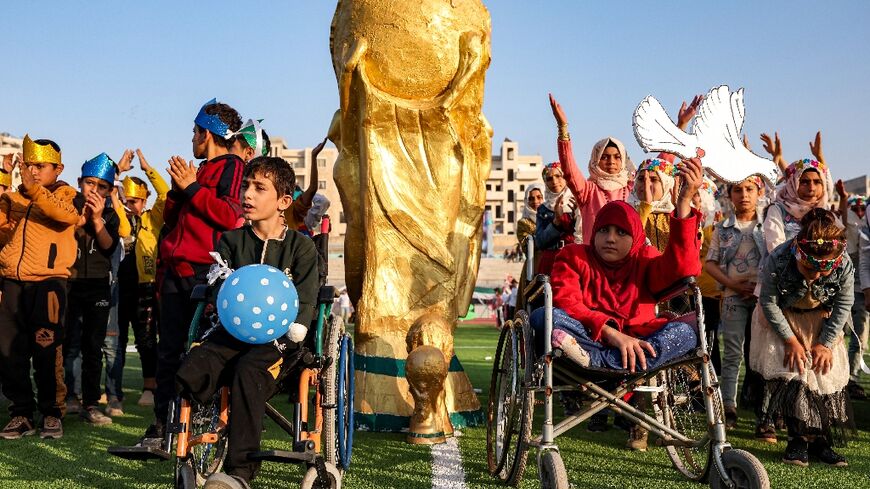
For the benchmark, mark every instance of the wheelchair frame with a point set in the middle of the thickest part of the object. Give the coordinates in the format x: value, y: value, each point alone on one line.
x: 734, y: 468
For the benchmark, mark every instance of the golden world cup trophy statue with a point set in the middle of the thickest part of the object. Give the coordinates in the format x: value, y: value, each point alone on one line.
x: 414, y: 156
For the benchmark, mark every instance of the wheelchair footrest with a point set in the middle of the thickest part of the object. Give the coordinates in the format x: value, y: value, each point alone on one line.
x: 283, y: 456
x: 140, y: 453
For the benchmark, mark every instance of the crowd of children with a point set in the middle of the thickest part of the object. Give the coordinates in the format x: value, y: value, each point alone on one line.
x: 781, y: 272
x: 79, y: 268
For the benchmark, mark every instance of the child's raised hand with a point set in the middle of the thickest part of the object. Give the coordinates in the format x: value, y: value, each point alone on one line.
x: 816, y: 148
x: 143, y: 163
x: 647, y: 188
x: 317, y: 149
x: 126, y: 161
x: 558, y: 113
x: 687, y: 111
x: 95, y: 204
x: 795, y: 355
x: 26, y: 175
x: 773, y: 146
x: 841, y: 190
x: 8, y: 164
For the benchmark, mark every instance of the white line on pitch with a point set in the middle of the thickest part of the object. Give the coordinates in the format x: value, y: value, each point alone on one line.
x: 447, y: 471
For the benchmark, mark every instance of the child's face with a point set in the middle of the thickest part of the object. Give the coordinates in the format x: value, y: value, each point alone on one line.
x: 94, y: 185
x: 811, y: 186
x: 555, y: 181
x: 859, y: 211
x: 136, y: 205
x: 45, y: 173
x: 260, y: 198
x: 610, y: 161
x: 199, y: 142
x: 744, y: 196
x: 655, y: 184
x: 612, y: 243
x: 535, y: 199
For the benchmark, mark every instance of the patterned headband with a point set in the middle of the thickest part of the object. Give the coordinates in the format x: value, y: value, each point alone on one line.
x: 657, y: 164
x: 556, y: 165
x: 858, y: 200
x: 800, y: 166
x: 817, y: 264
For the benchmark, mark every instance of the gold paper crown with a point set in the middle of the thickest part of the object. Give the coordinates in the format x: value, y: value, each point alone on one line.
x: 5, y: 179
x: 37, y: 153
x: 133, y: 189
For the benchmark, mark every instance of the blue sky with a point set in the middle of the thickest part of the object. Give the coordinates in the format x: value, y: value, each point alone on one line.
x: 102, y: 76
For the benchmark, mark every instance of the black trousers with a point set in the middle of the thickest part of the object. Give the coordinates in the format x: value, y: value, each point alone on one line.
x: 251, y: 372
x: 87, y: 317
x: 31, y: 329
x: 176, y: 314
x: 712, y: 320
x: 136, y: 310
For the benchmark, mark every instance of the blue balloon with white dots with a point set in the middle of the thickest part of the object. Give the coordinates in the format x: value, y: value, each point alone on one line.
x: 257, y: 304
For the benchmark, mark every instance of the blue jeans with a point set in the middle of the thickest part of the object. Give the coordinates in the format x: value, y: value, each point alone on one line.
x: 674, y: 340
x: 114, y: 352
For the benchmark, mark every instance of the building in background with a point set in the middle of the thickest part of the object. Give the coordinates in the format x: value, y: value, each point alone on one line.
x: 505, y: 188
x: 858, y: 185
x: 11, y: 145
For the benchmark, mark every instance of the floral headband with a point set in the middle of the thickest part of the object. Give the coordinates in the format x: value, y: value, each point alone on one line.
x: 657, y: 164
x: 556, y: 165
x: 818, y: 264
x: 800, y: 166
x: 709, y: 186
x: 858, y: 200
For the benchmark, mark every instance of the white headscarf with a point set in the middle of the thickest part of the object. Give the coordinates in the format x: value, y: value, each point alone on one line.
x: 787, y: 192
x: 550, y: 199
x: 528, y: 213
x: 606, y: 180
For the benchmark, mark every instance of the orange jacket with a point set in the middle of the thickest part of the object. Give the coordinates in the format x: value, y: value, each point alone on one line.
x: 37, y: 226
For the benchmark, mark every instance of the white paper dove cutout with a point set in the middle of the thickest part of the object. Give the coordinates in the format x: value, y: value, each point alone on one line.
x: 716, y: 130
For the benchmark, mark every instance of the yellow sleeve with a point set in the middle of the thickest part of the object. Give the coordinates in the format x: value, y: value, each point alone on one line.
x: 158, y: 183
x: 124, y: 228
x: 645, y: 210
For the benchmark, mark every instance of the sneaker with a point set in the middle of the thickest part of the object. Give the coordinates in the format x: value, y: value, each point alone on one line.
x: 153, y: 436
x: 598, y: 423
x: 115, y: 408
x: 73, y: 405
x: 51, y: 428
x: 855, y: 391
x: 16, y: 428
x: 821, y: 450
x: 637, y: 439
x: 219, y: 480
x: 92, y: 415
x: 730, y: 417
x: 765, y: 432
x: 147, y: 398
x: 796, y: 453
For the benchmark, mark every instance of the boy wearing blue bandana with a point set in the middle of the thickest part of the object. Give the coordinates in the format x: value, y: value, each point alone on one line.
x: 89, y: 294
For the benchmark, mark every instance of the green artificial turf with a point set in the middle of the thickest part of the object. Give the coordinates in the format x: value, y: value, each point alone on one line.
x: 386, y: 461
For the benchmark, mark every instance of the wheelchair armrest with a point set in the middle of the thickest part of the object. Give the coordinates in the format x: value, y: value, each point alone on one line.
x: 200, y: 293
x: 326, y: 295
x: 675, y: 289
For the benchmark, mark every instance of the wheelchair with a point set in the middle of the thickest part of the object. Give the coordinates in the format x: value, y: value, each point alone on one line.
x: 197, y: 434
x: 688, y: 416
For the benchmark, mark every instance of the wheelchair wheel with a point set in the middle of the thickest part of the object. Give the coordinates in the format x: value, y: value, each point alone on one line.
x: 309, y: 481
x: 185, y: 477
x: 680, y: 406
x: 511, y: 406
x: 206, y: 458
x: 331, y: 345
x: 744, y: 470
x: 551, y: 471
x: 345, y: 385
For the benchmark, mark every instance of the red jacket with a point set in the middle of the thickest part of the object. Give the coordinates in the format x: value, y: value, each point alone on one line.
x: 199, y: 214
x: 573, y: 279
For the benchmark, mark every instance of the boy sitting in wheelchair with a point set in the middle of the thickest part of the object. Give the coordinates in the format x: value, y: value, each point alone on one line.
x: 605, y: 311
x: 251, y: 370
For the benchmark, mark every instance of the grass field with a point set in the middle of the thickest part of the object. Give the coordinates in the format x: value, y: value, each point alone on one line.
x: 386, y: 461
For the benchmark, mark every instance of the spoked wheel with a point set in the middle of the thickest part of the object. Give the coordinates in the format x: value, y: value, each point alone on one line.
x: 205, y: 459
x: 682, y: 407
x: 511, y: 406
x: 344, y: 418
x: 551, y: 470
x: 333, y: 477
x: 331, y: 346
x: 744, y: 470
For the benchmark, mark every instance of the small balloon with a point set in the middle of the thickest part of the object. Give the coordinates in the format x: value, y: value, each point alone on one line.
x: 257, y: 304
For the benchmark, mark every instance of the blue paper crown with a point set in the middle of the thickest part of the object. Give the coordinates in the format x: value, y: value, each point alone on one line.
x: 212, y: 122
x: 102, y: 167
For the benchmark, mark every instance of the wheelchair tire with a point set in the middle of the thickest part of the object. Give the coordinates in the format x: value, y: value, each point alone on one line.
x: 208, y: 458
x: 185, y: 477
x: 345, y: 387
x: 334, y: 333
x: 309, y: 481
x: 743, y: 469
x: 681, y: 406
x: 511, y: 407
x: 551, y: 470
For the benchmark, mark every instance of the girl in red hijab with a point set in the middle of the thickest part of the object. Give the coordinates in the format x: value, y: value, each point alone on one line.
x: 604, y: 313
